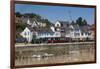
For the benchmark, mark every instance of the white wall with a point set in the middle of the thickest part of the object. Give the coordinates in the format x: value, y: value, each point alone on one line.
x: 5, y: 33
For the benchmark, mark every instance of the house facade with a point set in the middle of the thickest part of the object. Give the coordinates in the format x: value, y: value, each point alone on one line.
x: 27, y: 33
x: 75, y: 31
x: 44, y: 34
x: 62, y: 28
x: 59, y: 29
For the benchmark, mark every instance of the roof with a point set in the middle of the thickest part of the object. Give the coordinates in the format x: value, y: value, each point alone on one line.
x: 64, y: 23
x: 30, y: 28
x: 75, y: 26
x: 25, y: 19
x: 85, y: 28
x: 93, y: 27
x: 43, y: 30
x: 32, y: 20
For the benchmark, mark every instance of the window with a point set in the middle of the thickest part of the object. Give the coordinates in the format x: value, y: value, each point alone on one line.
x: 51, y: 38
x: 76, y: 34
x: 25, y: 33
x: 28, y: 33
x: 62, y: 38
x: 47, y: 34
x: 81, y: 33
x: 56, y: 38
x: 89, y: 33
x: 58, y: 25
x: 86, y: 33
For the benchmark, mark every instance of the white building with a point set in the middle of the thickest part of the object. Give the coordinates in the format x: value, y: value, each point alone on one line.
x: 44, y: 33
x: 75, y: 31
x: 34, y: 23
x: 63, y: 28
x: 27, y: 33
x: 60, y: 29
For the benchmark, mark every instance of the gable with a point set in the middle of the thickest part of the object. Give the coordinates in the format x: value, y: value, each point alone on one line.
x: 34, y: 24
x: 57, y: 24
x: 25, y: 31
x: 28, y: 22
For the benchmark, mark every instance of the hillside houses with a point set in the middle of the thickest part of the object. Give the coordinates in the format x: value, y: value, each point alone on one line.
x: 30, y: 21
x: 38, y: 30
x: 34, y: 23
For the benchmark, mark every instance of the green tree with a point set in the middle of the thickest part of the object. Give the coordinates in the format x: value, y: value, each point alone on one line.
x: 20, y: 27
x: 84, y: 22
x: 81, y: 22
x: 32, y: 15
x: 18, y: 36
x: 18, y: 14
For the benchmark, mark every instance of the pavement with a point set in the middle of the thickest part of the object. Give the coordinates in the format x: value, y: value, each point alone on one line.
x: 45, y: 44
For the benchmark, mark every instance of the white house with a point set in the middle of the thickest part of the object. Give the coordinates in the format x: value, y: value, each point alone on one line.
x: 66, y: 29
x: 82, y: 33
x: 86, y: 32
x: 58, y: 24
x: 27, y: 33
x: 75, y: 31
x: 52, y: 28
x: 59, y: 29
x: 34, y: 23
x: 28, y: 22
x: 44, y: 33
x: 63, y: 28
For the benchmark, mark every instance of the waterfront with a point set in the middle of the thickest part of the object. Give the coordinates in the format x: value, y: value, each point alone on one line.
x: 61, y: 53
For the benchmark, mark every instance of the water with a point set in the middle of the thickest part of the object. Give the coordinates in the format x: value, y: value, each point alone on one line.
x: 55, y: 54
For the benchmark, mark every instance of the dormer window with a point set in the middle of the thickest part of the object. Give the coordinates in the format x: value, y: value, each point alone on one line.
x: 58, y: 25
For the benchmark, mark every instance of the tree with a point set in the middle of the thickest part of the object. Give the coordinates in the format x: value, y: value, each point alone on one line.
x: 18, y: 14
x: 18, y: 36
x: 20, y: 27
x: 81, y: 22
x: 84, y: 22
x: 72, y: 22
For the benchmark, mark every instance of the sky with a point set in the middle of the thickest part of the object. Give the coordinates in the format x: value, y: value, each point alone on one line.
x: 54, y: 13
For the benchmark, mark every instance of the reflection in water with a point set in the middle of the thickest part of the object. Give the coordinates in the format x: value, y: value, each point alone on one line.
x: 55, y: 54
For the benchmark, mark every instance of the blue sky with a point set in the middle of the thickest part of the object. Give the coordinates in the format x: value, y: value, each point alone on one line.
x: 54, y: 13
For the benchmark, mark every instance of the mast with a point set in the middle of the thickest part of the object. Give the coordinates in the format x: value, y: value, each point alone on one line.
x: 69, y: 12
